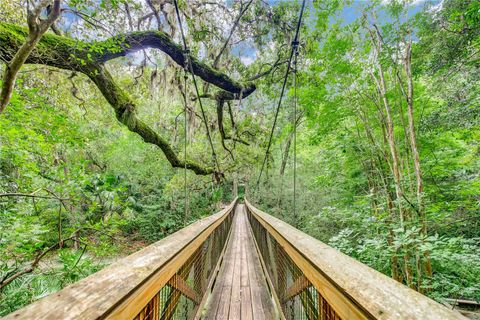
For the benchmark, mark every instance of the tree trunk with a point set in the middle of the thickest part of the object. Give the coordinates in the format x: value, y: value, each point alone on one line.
x: 390, y: 135
x: 416, y: 155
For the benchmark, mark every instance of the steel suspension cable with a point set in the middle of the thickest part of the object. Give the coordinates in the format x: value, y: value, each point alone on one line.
x: 189, y: 62
x: 185, y: 78
x: 285, y: 79
x: 295, y: 134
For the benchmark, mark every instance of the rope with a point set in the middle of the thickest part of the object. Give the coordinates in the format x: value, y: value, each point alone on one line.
x: 189, y: 63
x: 294, y: 48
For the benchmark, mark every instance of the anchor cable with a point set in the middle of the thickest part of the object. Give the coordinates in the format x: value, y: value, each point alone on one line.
x: 292, y: 52
x: 185, y: 78
x: 295, y: 135
x: 189, y: 62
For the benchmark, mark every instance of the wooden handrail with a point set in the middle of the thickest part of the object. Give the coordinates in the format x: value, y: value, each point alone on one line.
x: 123, y: 289
x: 351, y: 288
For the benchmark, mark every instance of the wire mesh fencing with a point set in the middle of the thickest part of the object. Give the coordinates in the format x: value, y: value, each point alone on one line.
x: 181, y: 297
x: 298, y: 298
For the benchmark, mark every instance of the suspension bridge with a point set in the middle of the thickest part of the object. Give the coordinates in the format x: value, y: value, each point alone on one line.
x: 239, y: 263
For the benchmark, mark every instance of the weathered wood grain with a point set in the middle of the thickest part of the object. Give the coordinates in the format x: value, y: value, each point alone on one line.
x: 354, y: 290
x: 178, y: 283
x: 122, y: 289
x: 240, y: 292
x: 298, y: 286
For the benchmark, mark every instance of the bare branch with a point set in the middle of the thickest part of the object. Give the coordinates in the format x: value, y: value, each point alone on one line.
x: 30, y: 195
x: 33, y: 265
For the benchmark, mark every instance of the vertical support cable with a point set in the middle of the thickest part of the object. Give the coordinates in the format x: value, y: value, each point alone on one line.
x: 185, y: 78
x: 188, y: 61
x: 297, y: 33
x: 295, y: 45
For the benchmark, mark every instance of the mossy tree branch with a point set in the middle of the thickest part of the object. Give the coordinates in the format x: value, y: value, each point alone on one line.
x: 89, y: 58
x: 72, y: 54
x: 125, y: 112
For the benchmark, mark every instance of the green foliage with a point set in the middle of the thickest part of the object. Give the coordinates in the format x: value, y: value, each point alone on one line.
x: 69, y: 268
x: 118, y: 201
x: 59, y: 140
x: 344, y: 162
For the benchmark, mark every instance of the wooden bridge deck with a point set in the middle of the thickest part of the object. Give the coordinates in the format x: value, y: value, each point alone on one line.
x: 173, y: 278
x: 240, y: 291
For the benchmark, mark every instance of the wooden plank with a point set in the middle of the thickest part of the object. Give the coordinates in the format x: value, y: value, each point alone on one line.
x: 232, y: 295
x: 235, y: 301
x: 156, y: 307
x: 277, y: 305
x: 300, y: 284
x: 244, y: 280
x: 203, y: 306
x: 246, y: 299
x: 321, y: 314
x: 260, y: 311
x: 178, y: 283
x: 213, y: 302
x: 225, y: 292
x: 265, y: 297
x: 123, y: 289
x: 456, y: 302
x: 354, y: 290
x: 225, y: 287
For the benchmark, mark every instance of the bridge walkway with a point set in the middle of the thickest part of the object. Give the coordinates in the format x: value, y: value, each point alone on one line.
x: 240, y: 291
